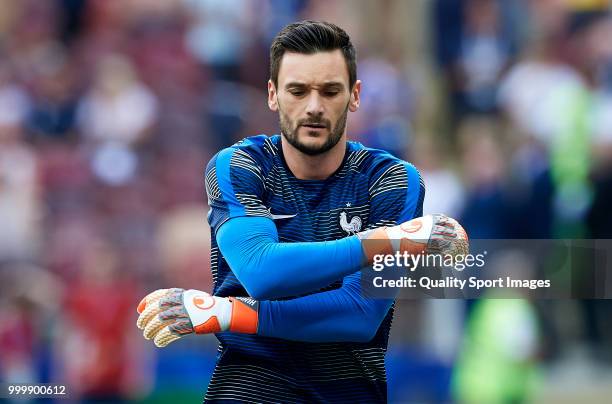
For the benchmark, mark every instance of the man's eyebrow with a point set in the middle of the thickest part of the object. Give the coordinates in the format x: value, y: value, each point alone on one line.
x: 333, y: 84
x: 295, y: 84
x: 326, y: 84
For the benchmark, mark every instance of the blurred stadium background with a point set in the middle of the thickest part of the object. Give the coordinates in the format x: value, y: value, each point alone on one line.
x: 109, y: 111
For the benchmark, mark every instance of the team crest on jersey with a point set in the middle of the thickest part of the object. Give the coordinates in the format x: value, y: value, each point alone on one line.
x: 351, y: 226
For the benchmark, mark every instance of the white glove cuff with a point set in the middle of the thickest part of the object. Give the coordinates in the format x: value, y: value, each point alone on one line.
x: 418, y: 229
x: 201, y: 307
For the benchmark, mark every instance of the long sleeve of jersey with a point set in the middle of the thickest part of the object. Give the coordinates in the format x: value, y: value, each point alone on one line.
x: 268, y: 268
x: 343, y: 314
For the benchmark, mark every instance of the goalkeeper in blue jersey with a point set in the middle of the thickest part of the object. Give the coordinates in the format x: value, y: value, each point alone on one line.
x: 291, y: 216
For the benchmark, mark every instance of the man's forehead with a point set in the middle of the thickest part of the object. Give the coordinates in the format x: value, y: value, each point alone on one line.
x: 316, y: 68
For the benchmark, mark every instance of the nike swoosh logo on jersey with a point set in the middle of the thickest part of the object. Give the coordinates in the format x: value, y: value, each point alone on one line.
x: 280, y: 217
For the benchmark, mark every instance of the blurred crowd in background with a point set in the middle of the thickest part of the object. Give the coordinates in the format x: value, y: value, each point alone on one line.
x: 110, y: 110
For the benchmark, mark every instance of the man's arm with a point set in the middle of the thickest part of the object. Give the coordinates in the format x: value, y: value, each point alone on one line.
x: 270, y: 269
x: 344, y: 314
x: 249, y: 242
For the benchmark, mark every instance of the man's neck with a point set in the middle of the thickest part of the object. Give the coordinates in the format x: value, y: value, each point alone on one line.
x: 319, y: 167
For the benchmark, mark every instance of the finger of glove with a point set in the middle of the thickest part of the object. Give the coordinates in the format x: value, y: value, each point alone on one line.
x: 444, y: 223
x: 151, y: 310
x: 153, y: 327
x: 176, y: 318
x: 447, y: 228
x: 444, y: 233
x: 164, y: 337
x: 150, y: 298
x: 174, y: 313
x: 181, y: 327
x: 456, y: 226
x: 173, y: 298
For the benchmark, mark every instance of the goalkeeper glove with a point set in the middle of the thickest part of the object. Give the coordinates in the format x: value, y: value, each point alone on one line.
x: 169, y: 314
x: 431, y: 234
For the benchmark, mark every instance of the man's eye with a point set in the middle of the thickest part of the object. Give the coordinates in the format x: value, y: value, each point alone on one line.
x: 330, y: 93
x: 297, y: 93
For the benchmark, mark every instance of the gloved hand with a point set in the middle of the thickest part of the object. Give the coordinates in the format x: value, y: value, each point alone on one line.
x: 169, y: 314
x: 430, y: 234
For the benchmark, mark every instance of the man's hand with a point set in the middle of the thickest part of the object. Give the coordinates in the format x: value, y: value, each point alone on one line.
x: 430, y: 234
x: 169, y: 314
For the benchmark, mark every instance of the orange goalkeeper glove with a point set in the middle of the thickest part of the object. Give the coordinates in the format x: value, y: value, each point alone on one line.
x: 166, y: 315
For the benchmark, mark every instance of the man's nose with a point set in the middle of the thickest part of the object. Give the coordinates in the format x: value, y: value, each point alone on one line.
x: 314, y: 106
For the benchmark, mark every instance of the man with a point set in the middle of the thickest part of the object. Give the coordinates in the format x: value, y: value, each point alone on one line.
x: 293, y: 219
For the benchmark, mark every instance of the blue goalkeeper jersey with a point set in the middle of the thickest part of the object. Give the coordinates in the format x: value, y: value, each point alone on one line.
x: 371, y: 188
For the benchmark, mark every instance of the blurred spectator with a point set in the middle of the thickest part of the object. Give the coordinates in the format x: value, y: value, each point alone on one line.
x: 71, y: 20
x: 225, y: 112
x: 387, y: 106
x: 474, y: 47
x: 529, y: 93
x: 29, y: 301
x: 221, y: 31
x: 55, y: 96
x: 118, y: 107
x: 14, y: 102
x: 483, y: 55
x: 484, y: 165
x: 93, y: 343
x: 185, y: 248
x: 497, y: 363
x: 119, y: 111
x: 445, y: 193
x: 599, y: 219
x: 20, y: 210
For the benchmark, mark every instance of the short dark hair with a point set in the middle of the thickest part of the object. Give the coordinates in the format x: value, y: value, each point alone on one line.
x: 309, y: 37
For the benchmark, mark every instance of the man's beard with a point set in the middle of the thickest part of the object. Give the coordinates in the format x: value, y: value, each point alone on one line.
x: 290, y: 132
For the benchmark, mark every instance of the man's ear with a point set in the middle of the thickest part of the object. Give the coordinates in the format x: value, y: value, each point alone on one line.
x: 272, y: 96
x: 354, y: 101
